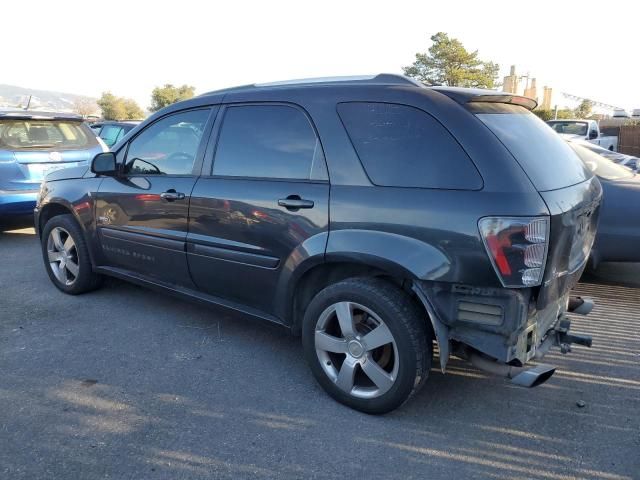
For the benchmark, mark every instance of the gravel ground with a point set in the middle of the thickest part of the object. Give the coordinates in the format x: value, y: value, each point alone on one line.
x: 125, y: 383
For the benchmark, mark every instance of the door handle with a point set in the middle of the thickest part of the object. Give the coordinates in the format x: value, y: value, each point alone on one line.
x: 171, y: 195
x: 294, y: 203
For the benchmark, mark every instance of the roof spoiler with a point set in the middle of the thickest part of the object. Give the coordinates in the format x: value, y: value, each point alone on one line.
x: 526, y: 102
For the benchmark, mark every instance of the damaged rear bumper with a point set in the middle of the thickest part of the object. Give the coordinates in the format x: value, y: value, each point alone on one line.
x: 499, y: 330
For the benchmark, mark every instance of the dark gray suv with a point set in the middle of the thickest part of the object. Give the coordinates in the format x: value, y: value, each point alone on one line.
x: 374, y: 216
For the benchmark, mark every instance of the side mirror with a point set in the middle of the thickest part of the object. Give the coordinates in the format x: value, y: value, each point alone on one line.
x: 104, y: 164
x: 593, y: 134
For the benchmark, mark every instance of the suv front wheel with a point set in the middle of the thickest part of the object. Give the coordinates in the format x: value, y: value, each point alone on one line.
x: 66, y: 256
x: 367, y: 344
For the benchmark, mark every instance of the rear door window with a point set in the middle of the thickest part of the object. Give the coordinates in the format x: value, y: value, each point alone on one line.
x: 268, y: 141
x: 544, y: 156
x: 402, y: 146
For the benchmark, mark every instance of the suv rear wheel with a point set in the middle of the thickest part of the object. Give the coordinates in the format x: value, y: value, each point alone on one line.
x: 367, y: 344
x: 66, y: 256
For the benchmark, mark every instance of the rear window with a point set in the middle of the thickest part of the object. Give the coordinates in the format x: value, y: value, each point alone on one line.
x: 546, y: 158
x: 18, y: 134
x: 402, y: 146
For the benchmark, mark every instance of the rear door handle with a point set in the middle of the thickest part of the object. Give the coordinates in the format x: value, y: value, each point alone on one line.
x: 171, y: 195
x: 294, y: 202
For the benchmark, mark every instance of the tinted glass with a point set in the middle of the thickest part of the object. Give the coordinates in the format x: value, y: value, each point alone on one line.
x: 168, y: 146
x: 110, y: 134
x: 546, y: 158
x: 269, y: 141
x: 601, y: 166
x: 401, y: 146
x: 45, y: 135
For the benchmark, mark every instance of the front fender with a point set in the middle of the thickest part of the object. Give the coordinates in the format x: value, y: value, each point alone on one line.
x: 76, y: 197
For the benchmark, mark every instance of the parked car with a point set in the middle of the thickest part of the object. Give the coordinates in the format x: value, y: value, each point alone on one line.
x: 587, y: 130
x: 33, y: 144
x: 618, y: 237
x: 629, y: 161
x: 112, y: 132
x: 371, y: 215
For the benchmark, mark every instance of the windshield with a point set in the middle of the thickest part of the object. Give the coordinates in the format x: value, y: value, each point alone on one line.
x: 18, y: 134
x: 544, y: 156
x: 601, y: 166
x: 570, y: 128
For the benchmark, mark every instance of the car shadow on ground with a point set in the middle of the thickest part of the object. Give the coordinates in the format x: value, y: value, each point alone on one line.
x: 125, y: 382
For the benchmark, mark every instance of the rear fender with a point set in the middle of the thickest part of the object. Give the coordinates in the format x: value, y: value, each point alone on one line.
x: 401, y: 256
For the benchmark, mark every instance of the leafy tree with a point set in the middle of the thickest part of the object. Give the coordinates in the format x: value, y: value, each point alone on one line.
x: 563, y: 114
x: 584, y: 109
x: 163, y: 96
x: 85, y: 106
x: 448, y: 63
x: 118, y: 108
x: 132, y: 110
x: 566, y: 113
x: 544, y: 114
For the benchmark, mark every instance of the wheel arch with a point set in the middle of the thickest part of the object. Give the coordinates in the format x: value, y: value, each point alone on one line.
x: 59, y: 207
x: 54, y: 209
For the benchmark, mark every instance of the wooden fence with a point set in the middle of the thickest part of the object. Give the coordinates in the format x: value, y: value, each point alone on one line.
x: 629, y: 140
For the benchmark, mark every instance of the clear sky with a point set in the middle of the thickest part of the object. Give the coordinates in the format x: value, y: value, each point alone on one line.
x: 586, y: 48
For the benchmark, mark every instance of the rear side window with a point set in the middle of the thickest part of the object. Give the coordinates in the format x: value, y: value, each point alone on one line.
x: 267, y: 141
x: 545, y: 157
x: 402, y: 146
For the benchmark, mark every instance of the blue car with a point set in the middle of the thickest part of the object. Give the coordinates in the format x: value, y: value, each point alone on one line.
x: 33, y: 144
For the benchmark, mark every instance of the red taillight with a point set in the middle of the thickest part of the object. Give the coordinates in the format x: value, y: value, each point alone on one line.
x: 496, y: 246
x: 517, y: 248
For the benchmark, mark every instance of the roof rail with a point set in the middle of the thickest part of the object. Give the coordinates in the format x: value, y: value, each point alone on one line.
x: 382, y: 78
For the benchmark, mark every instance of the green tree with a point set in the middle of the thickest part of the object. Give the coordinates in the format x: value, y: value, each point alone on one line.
x: 118, y: 108
x: 132, y: 110
x: 447, y: 62
x: 584, y: 109
x: 565, y: 114
x: 544, y: 114
x: 562, y: 114
x: 163, y: 96
x: 110, y: 107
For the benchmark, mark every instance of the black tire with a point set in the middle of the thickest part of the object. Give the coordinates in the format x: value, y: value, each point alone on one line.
x: 406, y: 323
x: 86, y: 279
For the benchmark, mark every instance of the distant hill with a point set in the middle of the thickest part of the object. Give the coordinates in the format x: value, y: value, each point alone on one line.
x: 13, y: 96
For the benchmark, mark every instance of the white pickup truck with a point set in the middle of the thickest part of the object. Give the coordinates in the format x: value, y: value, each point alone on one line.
x: 586, y: 130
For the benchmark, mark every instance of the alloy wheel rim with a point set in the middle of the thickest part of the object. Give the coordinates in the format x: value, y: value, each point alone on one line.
x: 356, y: 350
x: 63, y: 256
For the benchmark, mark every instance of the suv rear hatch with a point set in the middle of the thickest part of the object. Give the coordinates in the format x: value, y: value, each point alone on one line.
x: 570, y: 190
